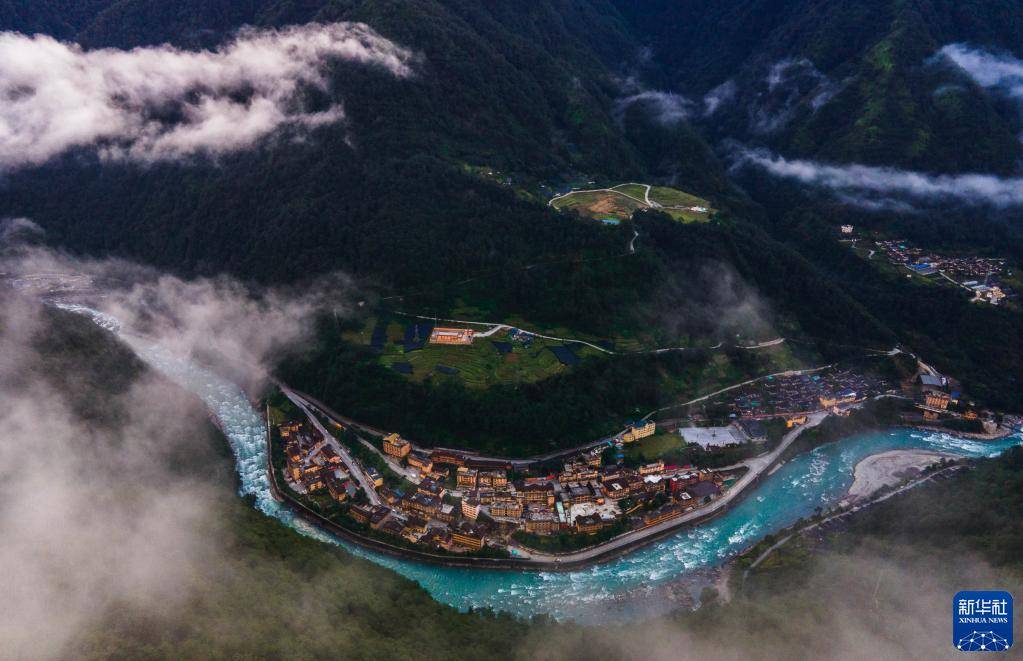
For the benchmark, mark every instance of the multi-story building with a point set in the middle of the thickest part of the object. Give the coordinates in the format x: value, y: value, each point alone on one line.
x: 390, y: 496
x: 495, y: 479
x: 422, y: 503
x: 441, y: 335
x: 578, y: 473
x: 432, y: 487
x: 445, y: 513
x: 470, y: 508
x: 537, y: 493
x: 638, y: 430
x: 415, y: 524
x: 937, y: 400
x: 466, y: 477
x: 447, y: 457
x: 468, y: 535
x: 541, y: 522
x: 361, y: 513
x: 421, y: 461
x: 652, y: 468
x: 665, y: 513
x: 313, y: 480
x: 378, y: 515
x: 396, y: 446
x: 336, y: 488
x: 616, y: 489
x: 588, y: 524
x: 506, y: 508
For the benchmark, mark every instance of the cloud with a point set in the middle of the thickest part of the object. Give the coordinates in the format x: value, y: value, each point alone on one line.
x: 789, y: 84
x: 91, y: 517
x: 113, y: 518
x: 720, y: 95
x: 12, y: 229
x: 665, y: 107
x: 989, y: 70
x: 163, y: 103
x: 885, y: 187
x: 237, y: 328
x: 853, y: 606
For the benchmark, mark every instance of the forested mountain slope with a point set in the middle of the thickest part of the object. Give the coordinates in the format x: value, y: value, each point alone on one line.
x: 845, y: 81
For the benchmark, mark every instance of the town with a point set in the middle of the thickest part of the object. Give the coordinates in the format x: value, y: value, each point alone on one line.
x: 797, y: 395
x: 983, y: 277
x: 454, y: 502
x: 380, y: 485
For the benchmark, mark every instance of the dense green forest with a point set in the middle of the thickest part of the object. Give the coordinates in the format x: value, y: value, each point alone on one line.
x: 872, y: 60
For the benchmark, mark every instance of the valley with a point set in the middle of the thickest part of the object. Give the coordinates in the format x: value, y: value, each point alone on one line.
x: 625, y: 329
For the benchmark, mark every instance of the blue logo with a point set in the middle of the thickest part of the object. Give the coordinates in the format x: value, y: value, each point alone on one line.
x: 982, y: 621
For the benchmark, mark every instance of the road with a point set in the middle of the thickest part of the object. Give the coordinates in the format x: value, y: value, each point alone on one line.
x: 353, y: 466
x: 490, y: 324
x: 645, y: 201
x: 527, y: 462
x: 756, y: 465
x: 494, y: 326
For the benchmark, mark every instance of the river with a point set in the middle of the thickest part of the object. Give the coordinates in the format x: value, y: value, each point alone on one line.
x: 816, y: 479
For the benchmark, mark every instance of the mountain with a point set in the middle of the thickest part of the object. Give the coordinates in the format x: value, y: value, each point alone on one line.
x: 847, y: 82
x: 553, y: 94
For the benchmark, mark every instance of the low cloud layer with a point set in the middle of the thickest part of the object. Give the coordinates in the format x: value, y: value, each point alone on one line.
x: 90, y: 517
x: 100, y: 515
x: 884, y: 187
x: 790, y: 84
x: 989, y: 70
x: 664, y: 107
x: 161, y: 103
x: 240, y: 329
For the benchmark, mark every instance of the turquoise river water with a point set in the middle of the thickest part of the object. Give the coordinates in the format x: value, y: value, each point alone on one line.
x: 816, y: 479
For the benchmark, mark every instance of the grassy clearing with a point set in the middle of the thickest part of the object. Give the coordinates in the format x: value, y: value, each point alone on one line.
x: 637, y: 191
x: 653, y: 447
x: 672, y: 197
x: 622, y: 200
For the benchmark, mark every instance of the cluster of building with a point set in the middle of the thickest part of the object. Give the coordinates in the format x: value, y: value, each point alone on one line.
x: 795, y: 396
x: 462, y: 503
x: 312, y: 464
x: 583, y: 497
x: 978, y: 274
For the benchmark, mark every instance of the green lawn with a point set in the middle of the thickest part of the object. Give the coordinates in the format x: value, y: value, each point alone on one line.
x: 671, y: 197
x: 637, y: 191
x: 653, y: 447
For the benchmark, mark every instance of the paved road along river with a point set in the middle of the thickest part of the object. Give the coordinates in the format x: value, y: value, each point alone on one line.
x: 818, y: 478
